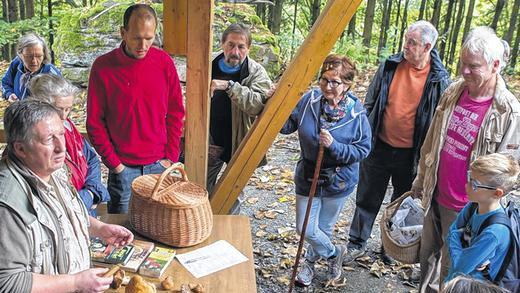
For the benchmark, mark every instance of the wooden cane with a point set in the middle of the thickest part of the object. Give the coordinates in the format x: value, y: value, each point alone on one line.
x: 312, y: 191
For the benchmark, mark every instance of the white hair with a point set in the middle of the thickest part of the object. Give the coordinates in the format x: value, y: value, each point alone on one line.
x: 428, y: 32
x: 483, y: 41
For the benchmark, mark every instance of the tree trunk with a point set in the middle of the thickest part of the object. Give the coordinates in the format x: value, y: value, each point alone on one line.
x: 422, y: 10
x: 469, y: 16
x: 512, y: 22
x: 294, y: 26
x: 21, y: 4
x: 51, y: 30
x: 455, y: 34
x: 437, y: 5
x: 404, y: 24
x: 275, y: 16
x: 396, y: 26
x: 11, y: 11
x: 315, y: 11
x: 387, y: 12
x: 369, y: 20
x: 352, y: 27
x: 260, y: 11
x: 29, y: 8
x: 6, y: 52
x: 514, y: 53
x: 498, y: 10
x: 443, y: 38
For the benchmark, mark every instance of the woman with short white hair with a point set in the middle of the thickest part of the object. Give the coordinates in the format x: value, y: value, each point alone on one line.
x: 32, y: 58
x: 81, y: 160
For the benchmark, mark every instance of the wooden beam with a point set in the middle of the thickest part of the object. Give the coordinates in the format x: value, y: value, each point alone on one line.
x: 294, y: 82
x: 200, y: 34
x: 175, y: 26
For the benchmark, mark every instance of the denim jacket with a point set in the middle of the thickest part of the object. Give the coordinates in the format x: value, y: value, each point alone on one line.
x: 351, y: 144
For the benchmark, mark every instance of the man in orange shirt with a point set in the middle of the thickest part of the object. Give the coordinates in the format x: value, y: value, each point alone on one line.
x: 400, y: 102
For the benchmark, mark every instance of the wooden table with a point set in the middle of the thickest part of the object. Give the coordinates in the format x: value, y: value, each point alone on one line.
x: 239, y: 278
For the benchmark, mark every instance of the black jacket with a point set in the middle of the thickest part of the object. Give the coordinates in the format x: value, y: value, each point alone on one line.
x: 377, y: 95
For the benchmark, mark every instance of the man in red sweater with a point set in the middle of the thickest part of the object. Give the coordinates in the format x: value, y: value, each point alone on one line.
x: 134, y: 110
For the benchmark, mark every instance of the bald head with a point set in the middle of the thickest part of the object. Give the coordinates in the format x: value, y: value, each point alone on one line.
x: 141, y: 11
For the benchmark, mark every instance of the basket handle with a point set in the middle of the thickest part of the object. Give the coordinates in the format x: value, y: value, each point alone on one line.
x: 166, y: 173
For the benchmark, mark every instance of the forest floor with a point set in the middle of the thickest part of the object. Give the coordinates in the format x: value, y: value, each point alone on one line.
x: 270, y: 203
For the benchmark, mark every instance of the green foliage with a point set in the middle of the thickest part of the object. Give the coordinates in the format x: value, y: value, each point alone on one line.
x: 11, y: 32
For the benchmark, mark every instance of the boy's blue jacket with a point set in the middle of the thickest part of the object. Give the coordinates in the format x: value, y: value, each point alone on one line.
x: 351, y: 144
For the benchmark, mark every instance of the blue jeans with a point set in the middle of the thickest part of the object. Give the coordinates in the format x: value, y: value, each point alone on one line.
x: 120, y: 185
x: 323, y: 216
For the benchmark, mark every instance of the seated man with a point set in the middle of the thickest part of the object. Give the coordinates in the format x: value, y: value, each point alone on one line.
x: 45, y: 227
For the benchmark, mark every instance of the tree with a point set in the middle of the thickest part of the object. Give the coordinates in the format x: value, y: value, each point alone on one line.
x: 315, y: 11
x: 396, y: 26
x: 21, y: 4
x: 469, y: 16
x: 444, y: 35
x: 514, y: 53
x: 275, y: 16
x: 498, y: 10
x: 436, y: 12
x: 352, y: 27
x: 261, y: 12
x: 369, y: 19
x: 512, y: 22
x: 29, y: 6
x: 404, y: 24
x: 455, y: 34
x: 387, y: 12
x: 422, y: 10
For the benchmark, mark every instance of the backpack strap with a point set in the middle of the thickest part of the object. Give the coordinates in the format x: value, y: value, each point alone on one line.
x: 466, y: 233
x: 502, y: 219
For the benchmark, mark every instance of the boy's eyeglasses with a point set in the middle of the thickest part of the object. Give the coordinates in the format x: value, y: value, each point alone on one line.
x: 476, y: 185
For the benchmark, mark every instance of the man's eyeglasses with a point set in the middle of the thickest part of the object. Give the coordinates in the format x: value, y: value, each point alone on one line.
x: 332, y: 83
x: 476, y: 185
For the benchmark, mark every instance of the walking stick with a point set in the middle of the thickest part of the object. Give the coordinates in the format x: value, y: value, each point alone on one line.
x: 306, y: 218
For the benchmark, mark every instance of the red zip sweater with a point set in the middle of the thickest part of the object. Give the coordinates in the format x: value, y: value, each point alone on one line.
x: 134, y: 108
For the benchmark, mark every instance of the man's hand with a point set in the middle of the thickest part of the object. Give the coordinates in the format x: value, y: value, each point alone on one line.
x: 417, y: 192
x: 12, y: 98
x: 115, y: 234
x: 92, y: 280
x: 218, y: 84
x: 271, y: 90
x: 325, y: 138
x: 120, y: 168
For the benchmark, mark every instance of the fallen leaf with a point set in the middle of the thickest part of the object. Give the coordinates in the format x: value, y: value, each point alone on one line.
x: 260, y: 233
x: 270, y: 214
x: 283, y: 280
x: 252, y: 200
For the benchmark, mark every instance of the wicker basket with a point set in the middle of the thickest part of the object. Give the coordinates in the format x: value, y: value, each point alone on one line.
x: 408, y: 253
x: 170, y: 209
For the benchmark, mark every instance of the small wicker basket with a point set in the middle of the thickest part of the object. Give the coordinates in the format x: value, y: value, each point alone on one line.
x: 408, y: 253
x: 170, y: 209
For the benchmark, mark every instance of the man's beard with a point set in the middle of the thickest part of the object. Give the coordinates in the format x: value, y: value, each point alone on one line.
x: 233, y: 60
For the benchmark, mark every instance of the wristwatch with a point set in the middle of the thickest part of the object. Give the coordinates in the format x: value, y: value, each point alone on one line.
x: 230, y: 84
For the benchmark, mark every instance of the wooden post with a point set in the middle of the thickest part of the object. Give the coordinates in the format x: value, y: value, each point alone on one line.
x: 200, y: 18
x: 294, y: 82
x: 175, y: 26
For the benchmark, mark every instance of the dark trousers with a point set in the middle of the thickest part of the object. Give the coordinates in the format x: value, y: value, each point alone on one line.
x: 383, y: 163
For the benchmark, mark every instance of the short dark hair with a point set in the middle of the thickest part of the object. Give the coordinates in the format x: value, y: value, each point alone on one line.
x: 20, y: 118
x: 342, y: 65
x: 237, y: 28
x: 145, y: 10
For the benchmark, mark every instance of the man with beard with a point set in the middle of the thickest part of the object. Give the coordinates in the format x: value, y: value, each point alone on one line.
x: 238, y: 93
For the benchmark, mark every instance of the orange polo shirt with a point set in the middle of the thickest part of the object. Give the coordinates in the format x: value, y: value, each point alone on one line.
x: 404, y: 96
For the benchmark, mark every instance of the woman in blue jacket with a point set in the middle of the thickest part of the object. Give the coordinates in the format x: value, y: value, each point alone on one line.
x: 332, y: 116
x: 33, y: 58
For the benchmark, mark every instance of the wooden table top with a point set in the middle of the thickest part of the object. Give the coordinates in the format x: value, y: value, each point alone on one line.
x: 238, y: 278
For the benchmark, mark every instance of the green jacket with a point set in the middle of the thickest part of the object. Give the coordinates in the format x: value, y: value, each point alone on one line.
x: 247, y: 100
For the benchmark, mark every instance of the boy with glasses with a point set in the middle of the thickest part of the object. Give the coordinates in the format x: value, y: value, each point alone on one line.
x: 489, y: 179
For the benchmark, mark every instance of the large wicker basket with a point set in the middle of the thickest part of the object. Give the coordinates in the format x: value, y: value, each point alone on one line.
x: 408, y: 253
x: 170, y: 209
